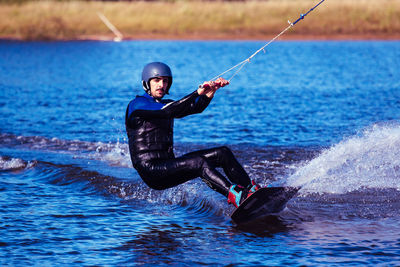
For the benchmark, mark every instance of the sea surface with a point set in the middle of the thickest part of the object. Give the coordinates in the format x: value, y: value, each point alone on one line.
x: 322, y: 115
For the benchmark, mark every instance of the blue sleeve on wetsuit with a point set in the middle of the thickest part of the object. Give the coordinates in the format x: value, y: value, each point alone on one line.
x: 147, y: 107
x: 141, y: 102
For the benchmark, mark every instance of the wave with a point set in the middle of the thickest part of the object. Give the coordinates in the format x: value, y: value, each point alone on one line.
x: 369, y: 160
x: 115, y: 154
x: 360, y: 169
x: 193, y: 196
x: 14, y: 164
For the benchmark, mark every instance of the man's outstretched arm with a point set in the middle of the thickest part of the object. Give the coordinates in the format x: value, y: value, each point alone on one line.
x: 193, y: 103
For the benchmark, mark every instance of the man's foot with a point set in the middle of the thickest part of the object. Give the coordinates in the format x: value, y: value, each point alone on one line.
x: 253, y: 188
x: 237, y: 194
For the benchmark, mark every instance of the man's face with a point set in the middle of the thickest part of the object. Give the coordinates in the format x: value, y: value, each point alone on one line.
x: 158, y: 87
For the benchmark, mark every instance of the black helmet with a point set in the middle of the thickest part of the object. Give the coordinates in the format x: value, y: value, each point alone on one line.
x: 153, y: 70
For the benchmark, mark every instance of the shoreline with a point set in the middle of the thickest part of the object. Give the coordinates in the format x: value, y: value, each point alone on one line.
x: 249, y: 37
x: 220, y: 37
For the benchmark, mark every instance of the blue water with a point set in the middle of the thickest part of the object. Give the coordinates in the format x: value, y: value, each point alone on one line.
x: 320, y: 115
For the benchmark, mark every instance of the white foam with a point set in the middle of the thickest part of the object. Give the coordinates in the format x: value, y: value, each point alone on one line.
x: 115, y: 154
x: 11, y: 163
x: 369, y: 160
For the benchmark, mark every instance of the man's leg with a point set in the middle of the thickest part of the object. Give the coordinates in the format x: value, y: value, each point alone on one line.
x: 224, y: 158
x: 163, y: 174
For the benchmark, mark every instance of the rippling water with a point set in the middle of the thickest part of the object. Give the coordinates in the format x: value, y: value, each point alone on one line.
x: 320, y: 115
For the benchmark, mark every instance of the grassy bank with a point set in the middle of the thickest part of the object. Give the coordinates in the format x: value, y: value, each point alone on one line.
x: 344, y: 19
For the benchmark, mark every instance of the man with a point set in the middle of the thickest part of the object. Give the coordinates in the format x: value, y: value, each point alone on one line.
x: 149, y: 125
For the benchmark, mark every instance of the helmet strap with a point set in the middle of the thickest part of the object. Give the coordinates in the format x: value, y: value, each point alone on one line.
x: 146, y: 87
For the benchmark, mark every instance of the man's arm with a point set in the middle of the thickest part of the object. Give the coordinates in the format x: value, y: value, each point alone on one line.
x: 193, y: 103
x: 190, y: 104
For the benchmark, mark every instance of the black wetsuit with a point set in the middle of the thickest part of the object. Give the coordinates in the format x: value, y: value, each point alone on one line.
x: 149, y: 125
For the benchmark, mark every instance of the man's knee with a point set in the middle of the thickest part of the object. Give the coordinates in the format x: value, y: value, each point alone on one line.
x: 226, y: 149
x: 224, y: 152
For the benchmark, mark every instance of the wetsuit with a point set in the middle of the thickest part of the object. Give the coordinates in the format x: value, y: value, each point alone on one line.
x: 149, y: 125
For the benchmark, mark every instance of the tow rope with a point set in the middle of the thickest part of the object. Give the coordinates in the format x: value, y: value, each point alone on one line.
x: 247, y: 60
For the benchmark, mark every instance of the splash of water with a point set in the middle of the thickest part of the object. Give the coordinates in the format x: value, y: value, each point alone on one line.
x: 11, y: 163
x: 368, y: 160
x: 116, y: 154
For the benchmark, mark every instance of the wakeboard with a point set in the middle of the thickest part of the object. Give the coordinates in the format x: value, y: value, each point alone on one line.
x: 263, y: 202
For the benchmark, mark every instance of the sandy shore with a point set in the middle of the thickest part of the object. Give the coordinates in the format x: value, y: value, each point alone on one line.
x: 198, y: 20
